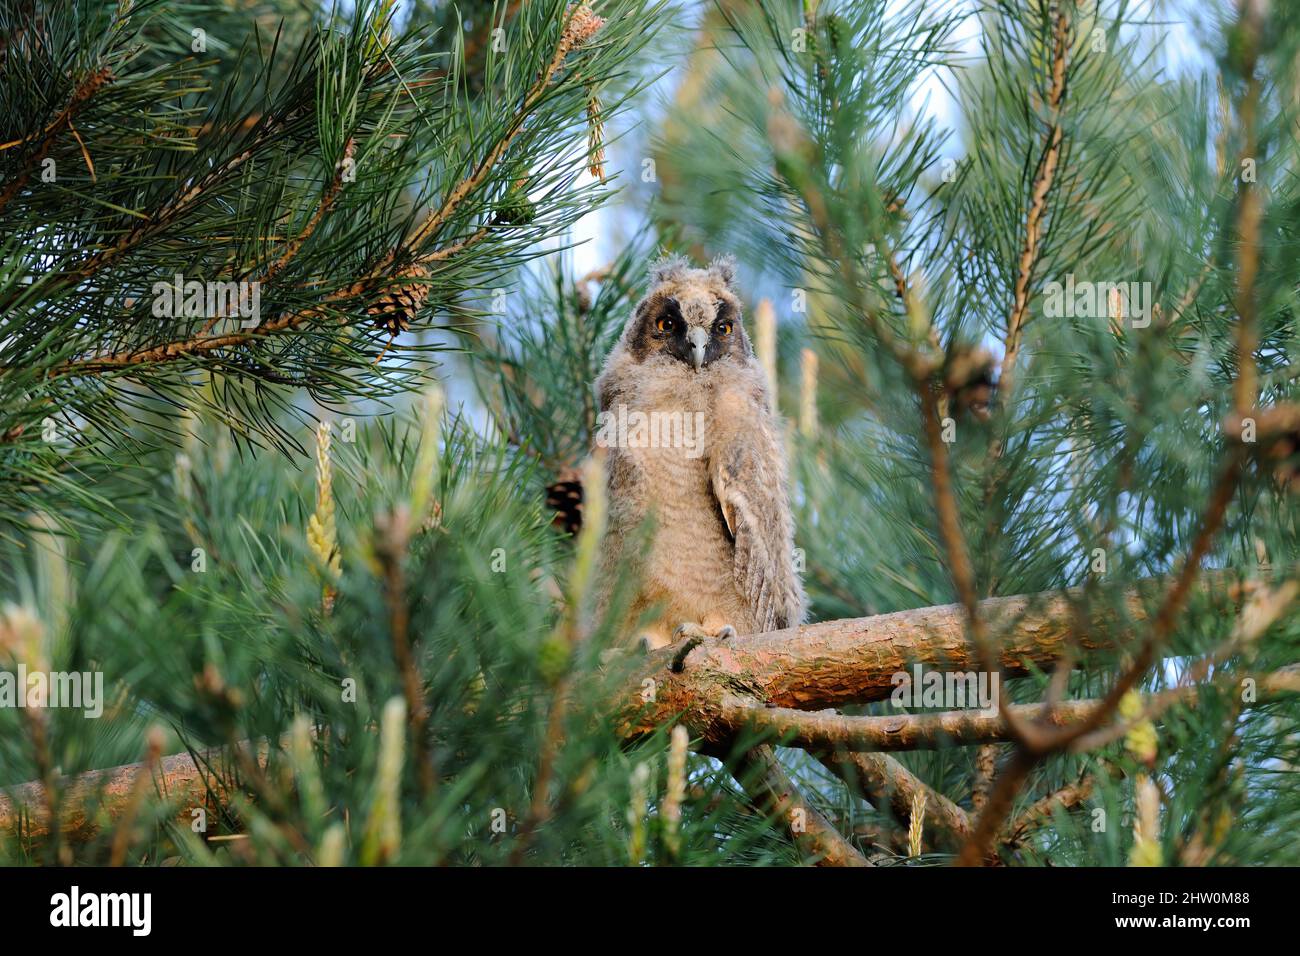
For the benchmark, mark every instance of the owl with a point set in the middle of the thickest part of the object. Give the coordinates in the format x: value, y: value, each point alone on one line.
x: 696, y: 477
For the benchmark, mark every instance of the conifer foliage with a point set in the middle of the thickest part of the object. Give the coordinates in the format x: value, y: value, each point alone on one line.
x: 296, y: 428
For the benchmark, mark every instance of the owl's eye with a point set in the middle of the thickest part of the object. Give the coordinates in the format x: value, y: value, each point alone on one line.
x: 665, y: 323
x: 723, y: 327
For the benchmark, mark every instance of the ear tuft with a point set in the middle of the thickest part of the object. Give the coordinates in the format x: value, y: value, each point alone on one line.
x: 723, y: 268
x: 667, y: 269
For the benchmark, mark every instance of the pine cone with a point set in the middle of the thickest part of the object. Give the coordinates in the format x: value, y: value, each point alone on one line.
x: 564, y: 497
x: 515, y: 210
x: 397, y: 307
x: 969, y: 381
x: 1274, y: 440
x: 834, y: 31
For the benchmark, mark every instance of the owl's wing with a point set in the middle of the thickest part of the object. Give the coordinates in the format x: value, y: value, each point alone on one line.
x: 749, y: 485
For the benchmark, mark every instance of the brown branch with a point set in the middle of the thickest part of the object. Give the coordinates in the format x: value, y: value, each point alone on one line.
x: 891, y: 787
x: 1285, y: 680
x: 986, y: 759
x: 179, y: 779
x: 579, y: 27
x: 139, y: 791
x: 391, y: 546
x: 773, y: 793
x: 1042, y: 811
x: 852, y: 661
x: 1032, y: 748
x: 949, y: 518
x: 1170, y: 609
x: 826, y: 730
x: 978, y: 848
x: 1044, y: 175
x: 818, y: 665
x: 201, y: 345
x: 89, y: 85
x: 326, y: 203
x: 834, y: 732
x: 960, y: 568
x: 292, y: 246
x: 167, y: 214
x: 1245, y: 391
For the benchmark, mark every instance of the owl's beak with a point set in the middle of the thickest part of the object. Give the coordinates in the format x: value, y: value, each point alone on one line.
x: 698, y: 338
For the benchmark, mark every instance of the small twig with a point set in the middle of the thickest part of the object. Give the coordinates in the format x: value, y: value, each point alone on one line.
x: 986, y: 758
x: 1044, y: 175
x: 393, y: 534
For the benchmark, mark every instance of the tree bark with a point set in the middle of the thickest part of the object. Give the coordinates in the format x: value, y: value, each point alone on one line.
x: 831, y: 731
x: 852, y: 661
x: 773, y: 792
x: 96, y: 798
x: 891, y: 787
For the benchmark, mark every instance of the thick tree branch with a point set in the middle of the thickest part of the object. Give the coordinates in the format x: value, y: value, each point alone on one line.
x: 96, y: 798
x: 852, y: 661
x: 827, y: 730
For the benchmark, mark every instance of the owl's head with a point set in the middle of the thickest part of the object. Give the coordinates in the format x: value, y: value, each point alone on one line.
x: 689, y: 315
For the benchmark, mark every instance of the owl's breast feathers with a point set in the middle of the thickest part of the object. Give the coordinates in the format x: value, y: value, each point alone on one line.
x: 723, y: 534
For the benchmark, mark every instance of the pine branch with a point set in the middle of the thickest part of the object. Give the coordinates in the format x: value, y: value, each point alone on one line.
x: 1043, y: 809
x: 819, y: 660
x: 186, y: 780
x: 887, y: 784
x: 774, y: 794
x: 1044, y: 174
x: 81, y: 95
x: 579, y: 27
x: 852, y: 661
x: 834, y: 732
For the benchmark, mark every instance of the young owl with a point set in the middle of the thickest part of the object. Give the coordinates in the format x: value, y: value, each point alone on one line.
x: 693, y: 447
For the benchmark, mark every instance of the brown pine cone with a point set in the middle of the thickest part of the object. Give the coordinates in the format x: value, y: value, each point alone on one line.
x: 969, y: 381
x: 564, y: 497
x: 1274, y: 439
x: 397, y: 307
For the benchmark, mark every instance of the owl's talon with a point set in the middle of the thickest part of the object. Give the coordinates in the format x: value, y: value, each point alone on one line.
x: 692, y: 629
x: 695, y: 635
x: 679, y: 659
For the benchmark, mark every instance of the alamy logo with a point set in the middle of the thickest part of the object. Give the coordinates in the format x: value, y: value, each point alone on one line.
x: 196, y: 298
x: 1085, y: 300
x: 78, y: 690
x: 102, y: 909
x: 951, y: 690
x: 622, y: 428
